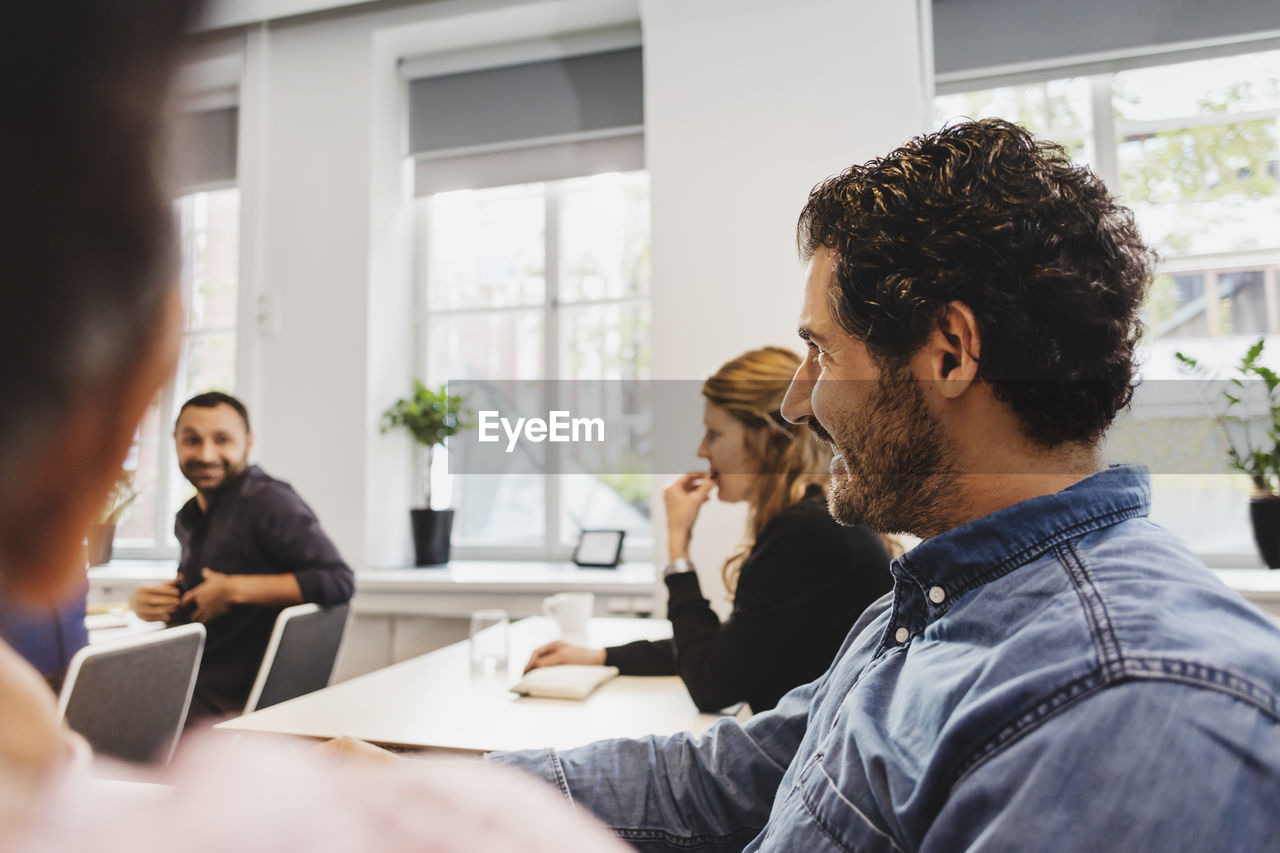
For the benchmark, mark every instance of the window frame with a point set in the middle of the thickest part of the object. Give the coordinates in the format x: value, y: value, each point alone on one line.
x: 163, y: 546
x: 549, y: 547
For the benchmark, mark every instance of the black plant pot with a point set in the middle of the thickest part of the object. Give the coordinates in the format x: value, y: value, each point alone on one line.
x: 1265, y: 514
x: 431, y: 531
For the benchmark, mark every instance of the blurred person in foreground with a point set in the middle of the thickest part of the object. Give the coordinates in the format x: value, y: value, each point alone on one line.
x: 47, y: 637
x: 798, y: 582
x: 90, y: 324
x: 250, y: 548
x: 1053, y: 671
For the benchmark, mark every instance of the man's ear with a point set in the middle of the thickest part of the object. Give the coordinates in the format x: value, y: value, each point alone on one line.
x: 950, y: 356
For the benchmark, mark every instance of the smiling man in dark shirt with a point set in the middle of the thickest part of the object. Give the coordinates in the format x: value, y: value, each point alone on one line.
x: 250, y: 547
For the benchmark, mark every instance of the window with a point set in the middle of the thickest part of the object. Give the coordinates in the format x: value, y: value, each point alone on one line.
x: 209, y: 229
x: 1194, y: 149
x: 524, y: 284
x: 533, y: 279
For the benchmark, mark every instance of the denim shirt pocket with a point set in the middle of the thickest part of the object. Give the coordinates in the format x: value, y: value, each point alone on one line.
x: 820, y: 817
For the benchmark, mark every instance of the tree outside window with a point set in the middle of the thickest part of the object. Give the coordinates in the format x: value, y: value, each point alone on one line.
x: 1194, y: 149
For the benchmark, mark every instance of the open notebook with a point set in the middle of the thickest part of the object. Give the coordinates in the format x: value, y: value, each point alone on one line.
x: 568, y: 681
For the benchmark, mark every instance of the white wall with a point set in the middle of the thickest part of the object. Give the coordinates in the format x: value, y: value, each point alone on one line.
x: 749, y: 103
x: 310, y: 385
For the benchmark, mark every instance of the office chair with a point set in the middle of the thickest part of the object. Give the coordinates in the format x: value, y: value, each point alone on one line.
x: 129, y: 697
x: 301, y: 654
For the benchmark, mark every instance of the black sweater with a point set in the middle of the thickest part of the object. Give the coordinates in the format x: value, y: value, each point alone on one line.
x: 801, y: 587
x: 254, y: 525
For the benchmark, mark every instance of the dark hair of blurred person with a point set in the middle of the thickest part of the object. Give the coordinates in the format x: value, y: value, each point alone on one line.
x: 89, y: 314
x: 90, y: 324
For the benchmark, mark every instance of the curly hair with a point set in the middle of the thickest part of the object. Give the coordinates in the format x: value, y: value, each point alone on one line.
x: 983, y: 213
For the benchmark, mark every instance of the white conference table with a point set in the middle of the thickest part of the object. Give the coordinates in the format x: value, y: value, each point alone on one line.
x: 434, y: 702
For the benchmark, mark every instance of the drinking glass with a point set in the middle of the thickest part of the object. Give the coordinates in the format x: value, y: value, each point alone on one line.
x: 488, y: 641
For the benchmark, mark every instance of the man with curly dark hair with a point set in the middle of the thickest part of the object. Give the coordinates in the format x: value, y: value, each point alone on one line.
x: 1052, y: 671
x: 1016, y: 270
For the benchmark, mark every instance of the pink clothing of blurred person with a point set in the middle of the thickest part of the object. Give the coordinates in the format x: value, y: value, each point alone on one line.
x: 90, y: 327
x: 251, y: 800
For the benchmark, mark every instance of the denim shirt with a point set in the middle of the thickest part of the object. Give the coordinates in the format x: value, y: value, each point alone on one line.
x: 1062, y: 674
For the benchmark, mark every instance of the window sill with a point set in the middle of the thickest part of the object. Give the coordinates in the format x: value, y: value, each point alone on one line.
x: 451, y: 590
x: 1261, y: 586
x: 458, y: 587
x: 509, y: 574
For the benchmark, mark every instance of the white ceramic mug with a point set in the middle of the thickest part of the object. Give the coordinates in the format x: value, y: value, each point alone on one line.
x: 572, y: 611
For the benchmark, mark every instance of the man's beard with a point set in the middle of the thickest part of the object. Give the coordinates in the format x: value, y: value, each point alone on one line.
x: 229, y: 471
x: 899, y: 474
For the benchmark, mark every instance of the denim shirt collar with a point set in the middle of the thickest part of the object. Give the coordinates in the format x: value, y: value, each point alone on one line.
x: 950, y: 564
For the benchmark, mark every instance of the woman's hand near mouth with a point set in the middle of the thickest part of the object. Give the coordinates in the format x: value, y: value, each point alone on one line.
x: 684, y: 497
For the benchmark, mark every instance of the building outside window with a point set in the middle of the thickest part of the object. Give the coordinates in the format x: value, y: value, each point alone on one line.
x: 1194, y: 149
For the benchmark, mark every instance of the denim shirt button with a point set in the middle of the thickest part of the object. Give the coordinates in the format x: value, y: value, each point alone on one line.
x: 902, y: 635
x: 937, y: 595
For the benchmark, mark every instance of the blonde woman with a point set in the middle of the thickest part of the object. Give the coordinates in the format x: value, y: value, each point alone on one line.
x: 799, y: 580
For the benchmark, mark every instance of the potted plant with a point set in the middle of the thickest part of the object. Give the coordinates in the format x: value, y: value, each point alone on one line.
x: 430, y: 416
x: 1258, y: 457
x: 103, y: 533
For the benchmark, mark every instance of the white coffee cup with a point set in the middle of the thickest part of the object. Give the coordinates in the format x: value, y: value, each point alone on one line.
x: 572, y: 611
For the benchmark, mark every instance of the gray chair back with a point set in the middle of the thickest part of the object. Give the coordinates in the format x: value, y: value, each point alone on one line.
x: 301, y: 654
x: 129, y: 697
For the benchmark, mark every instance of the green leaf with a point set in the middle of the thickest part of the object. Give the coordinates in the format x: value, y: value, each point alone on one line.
x: 1260, y: 462
x: 429, y: 415
x: 1254, y: 351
